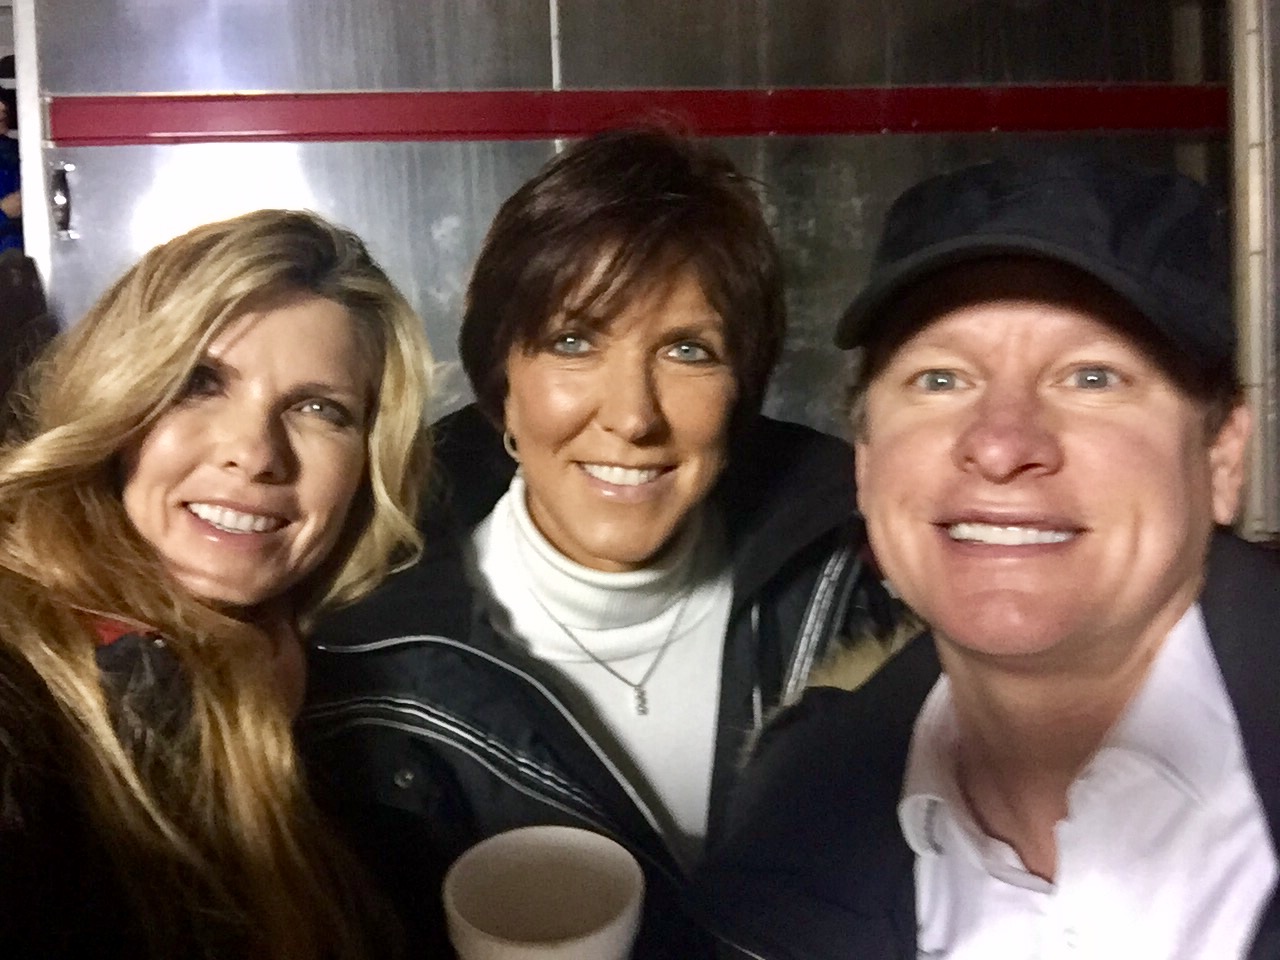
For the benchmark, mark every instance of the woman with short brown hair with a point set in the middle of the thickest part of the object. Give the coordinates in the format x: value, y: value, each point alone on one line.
x: 643, y: 565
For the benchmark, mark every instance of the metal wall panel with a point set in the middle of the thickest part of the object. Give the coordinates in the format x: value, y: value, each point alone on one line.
x: 229, y: 45
x: 1021, y: 41
x: 608, y: 43
x: 712, y: 43
x: 422, y: 208
x: 827, y: 198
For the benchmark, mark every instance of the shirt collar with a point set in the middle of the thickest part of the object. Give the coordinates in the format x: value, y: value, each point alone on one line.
x: 1181, y: 721
x: 929, y: 787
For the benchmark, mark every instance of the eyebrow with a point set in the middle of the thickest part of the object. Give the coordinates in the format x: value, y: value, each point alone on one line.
x: 698, y: 328
x: 324, y: 387
x: 297, y: 391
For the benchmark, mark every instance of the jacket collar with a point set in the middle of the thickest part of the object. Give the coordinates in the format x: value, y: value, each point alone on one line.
x: 1241, y: 604
x: 785, y: 486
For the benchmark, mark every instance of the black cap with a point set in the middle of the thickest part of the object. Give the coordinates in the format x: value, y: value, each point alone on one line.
x: 1156, y: 238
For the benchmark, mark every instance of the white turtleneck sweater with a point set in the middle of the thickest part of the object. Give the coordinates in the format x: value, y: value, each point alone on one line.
x: 677, y: 608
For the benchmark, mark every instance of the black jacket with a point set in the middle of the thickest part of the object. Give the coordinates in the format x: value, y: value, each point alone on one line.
x: 426, y: 731
x: 813, y: 865
x: 61, y: 891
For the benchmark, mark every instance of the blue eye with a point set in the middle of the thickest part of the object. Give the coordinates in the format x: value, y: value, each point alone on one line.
x: 570, y: 344
x: 936, y: 381
x: 688, y: 351
x: 1094, y: 378
x: 328, y: 410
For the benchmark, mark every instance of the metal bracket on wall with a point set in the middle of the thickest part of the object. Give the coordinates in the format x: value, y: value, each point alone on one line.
x: 60, y: 201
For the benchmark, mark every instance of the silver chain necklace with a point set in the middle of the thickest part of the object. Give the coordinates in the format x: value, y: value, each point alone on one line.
x: 638, y: 689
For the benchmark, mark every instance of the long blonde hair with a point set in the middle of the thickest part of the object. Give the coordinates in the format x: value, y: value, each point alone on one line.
x: 213, y: 813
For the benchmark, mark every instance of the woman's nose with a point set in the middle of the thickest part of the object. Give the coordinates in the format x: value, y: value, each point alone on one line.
x: 630, y: 404
x: 1009, y: 436
x: 257, y: 445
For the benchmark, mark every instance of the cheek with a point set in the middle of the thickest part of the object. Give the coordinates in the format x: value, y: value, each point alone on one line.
x: 700, y: 414
x: 893, y: 468
x: 332, y: 475
x: 893, y: 475
x: 878, y: 511
x: 149, y: 468
x: 1146, y: 472
x: 707, y: 433
x: 344, y: 484
x: 545, y: 409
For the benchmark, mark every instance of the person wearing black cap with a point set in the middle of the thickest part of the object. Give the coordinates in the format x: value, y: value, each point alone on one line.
x: 1081, y: 756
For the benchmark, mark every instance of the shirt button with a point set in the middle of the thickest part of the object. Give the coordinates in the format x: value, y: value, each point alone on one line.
x: 1069, y: 937
x: 403, y: 778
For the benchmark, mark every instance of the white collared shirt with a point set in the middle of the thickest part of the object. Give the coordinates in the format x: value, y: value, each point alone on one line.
x: 1165, y: 851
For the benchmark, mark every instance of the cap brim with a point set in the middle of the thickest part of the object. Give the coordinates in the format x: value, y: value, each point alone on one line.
x: 893, y: 282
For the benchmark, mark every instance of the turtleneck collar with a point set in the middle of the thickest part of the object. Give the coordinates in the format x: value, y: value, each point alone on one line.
x: 580, y: 597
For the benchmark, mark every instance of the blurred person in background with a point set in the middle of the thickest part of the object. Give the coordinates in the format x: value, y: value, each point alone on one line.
x: 10, y: 194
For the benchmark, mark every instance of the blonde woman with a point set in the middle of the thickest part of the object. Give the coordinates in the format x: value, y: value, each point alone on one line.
x: 227, y: 444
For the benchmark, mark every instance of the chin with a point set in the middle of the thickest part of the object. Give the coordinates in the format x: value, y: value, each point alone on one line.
x: 1003, y: 630
x: 1007, y: 648
x: 228, y: 596
x: 616, y: 561
x: 628, y: 553
x: 611, y: 562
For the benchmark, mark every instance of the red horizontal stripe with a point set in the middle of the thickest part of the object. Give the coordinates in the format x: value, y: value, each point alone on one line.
x: 544, y: 114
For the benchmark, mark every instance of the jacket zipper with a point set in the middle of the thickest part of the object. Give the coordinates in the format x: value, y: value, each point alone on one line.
x: 826, y: 603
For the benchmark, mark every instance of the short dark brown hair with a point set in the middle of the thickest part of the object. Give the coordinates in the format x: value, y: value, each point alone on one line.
x: 623, y: 211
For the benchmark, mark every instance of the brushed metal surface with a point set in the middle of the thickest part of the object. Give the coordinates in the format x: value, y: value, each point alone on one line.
x: 607, y: 43
x: 422, y: 209
x: 827, y: 198
x: 239, y: 45
x: 1256, y: 42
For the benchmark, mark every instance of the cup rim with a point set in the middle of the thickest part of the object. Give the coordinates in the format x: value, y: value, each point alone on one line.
x: 631, y: 866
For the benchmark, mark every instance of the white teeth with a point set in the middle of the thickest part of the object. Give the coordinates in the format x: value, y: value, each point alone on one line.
x: 620, y: 476
x: 233, y: 521
x: 1006, y: 536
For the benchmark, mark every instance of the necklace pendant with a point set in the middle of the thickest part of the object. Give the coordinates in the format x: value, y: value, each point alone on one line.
x: 642, y: 702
